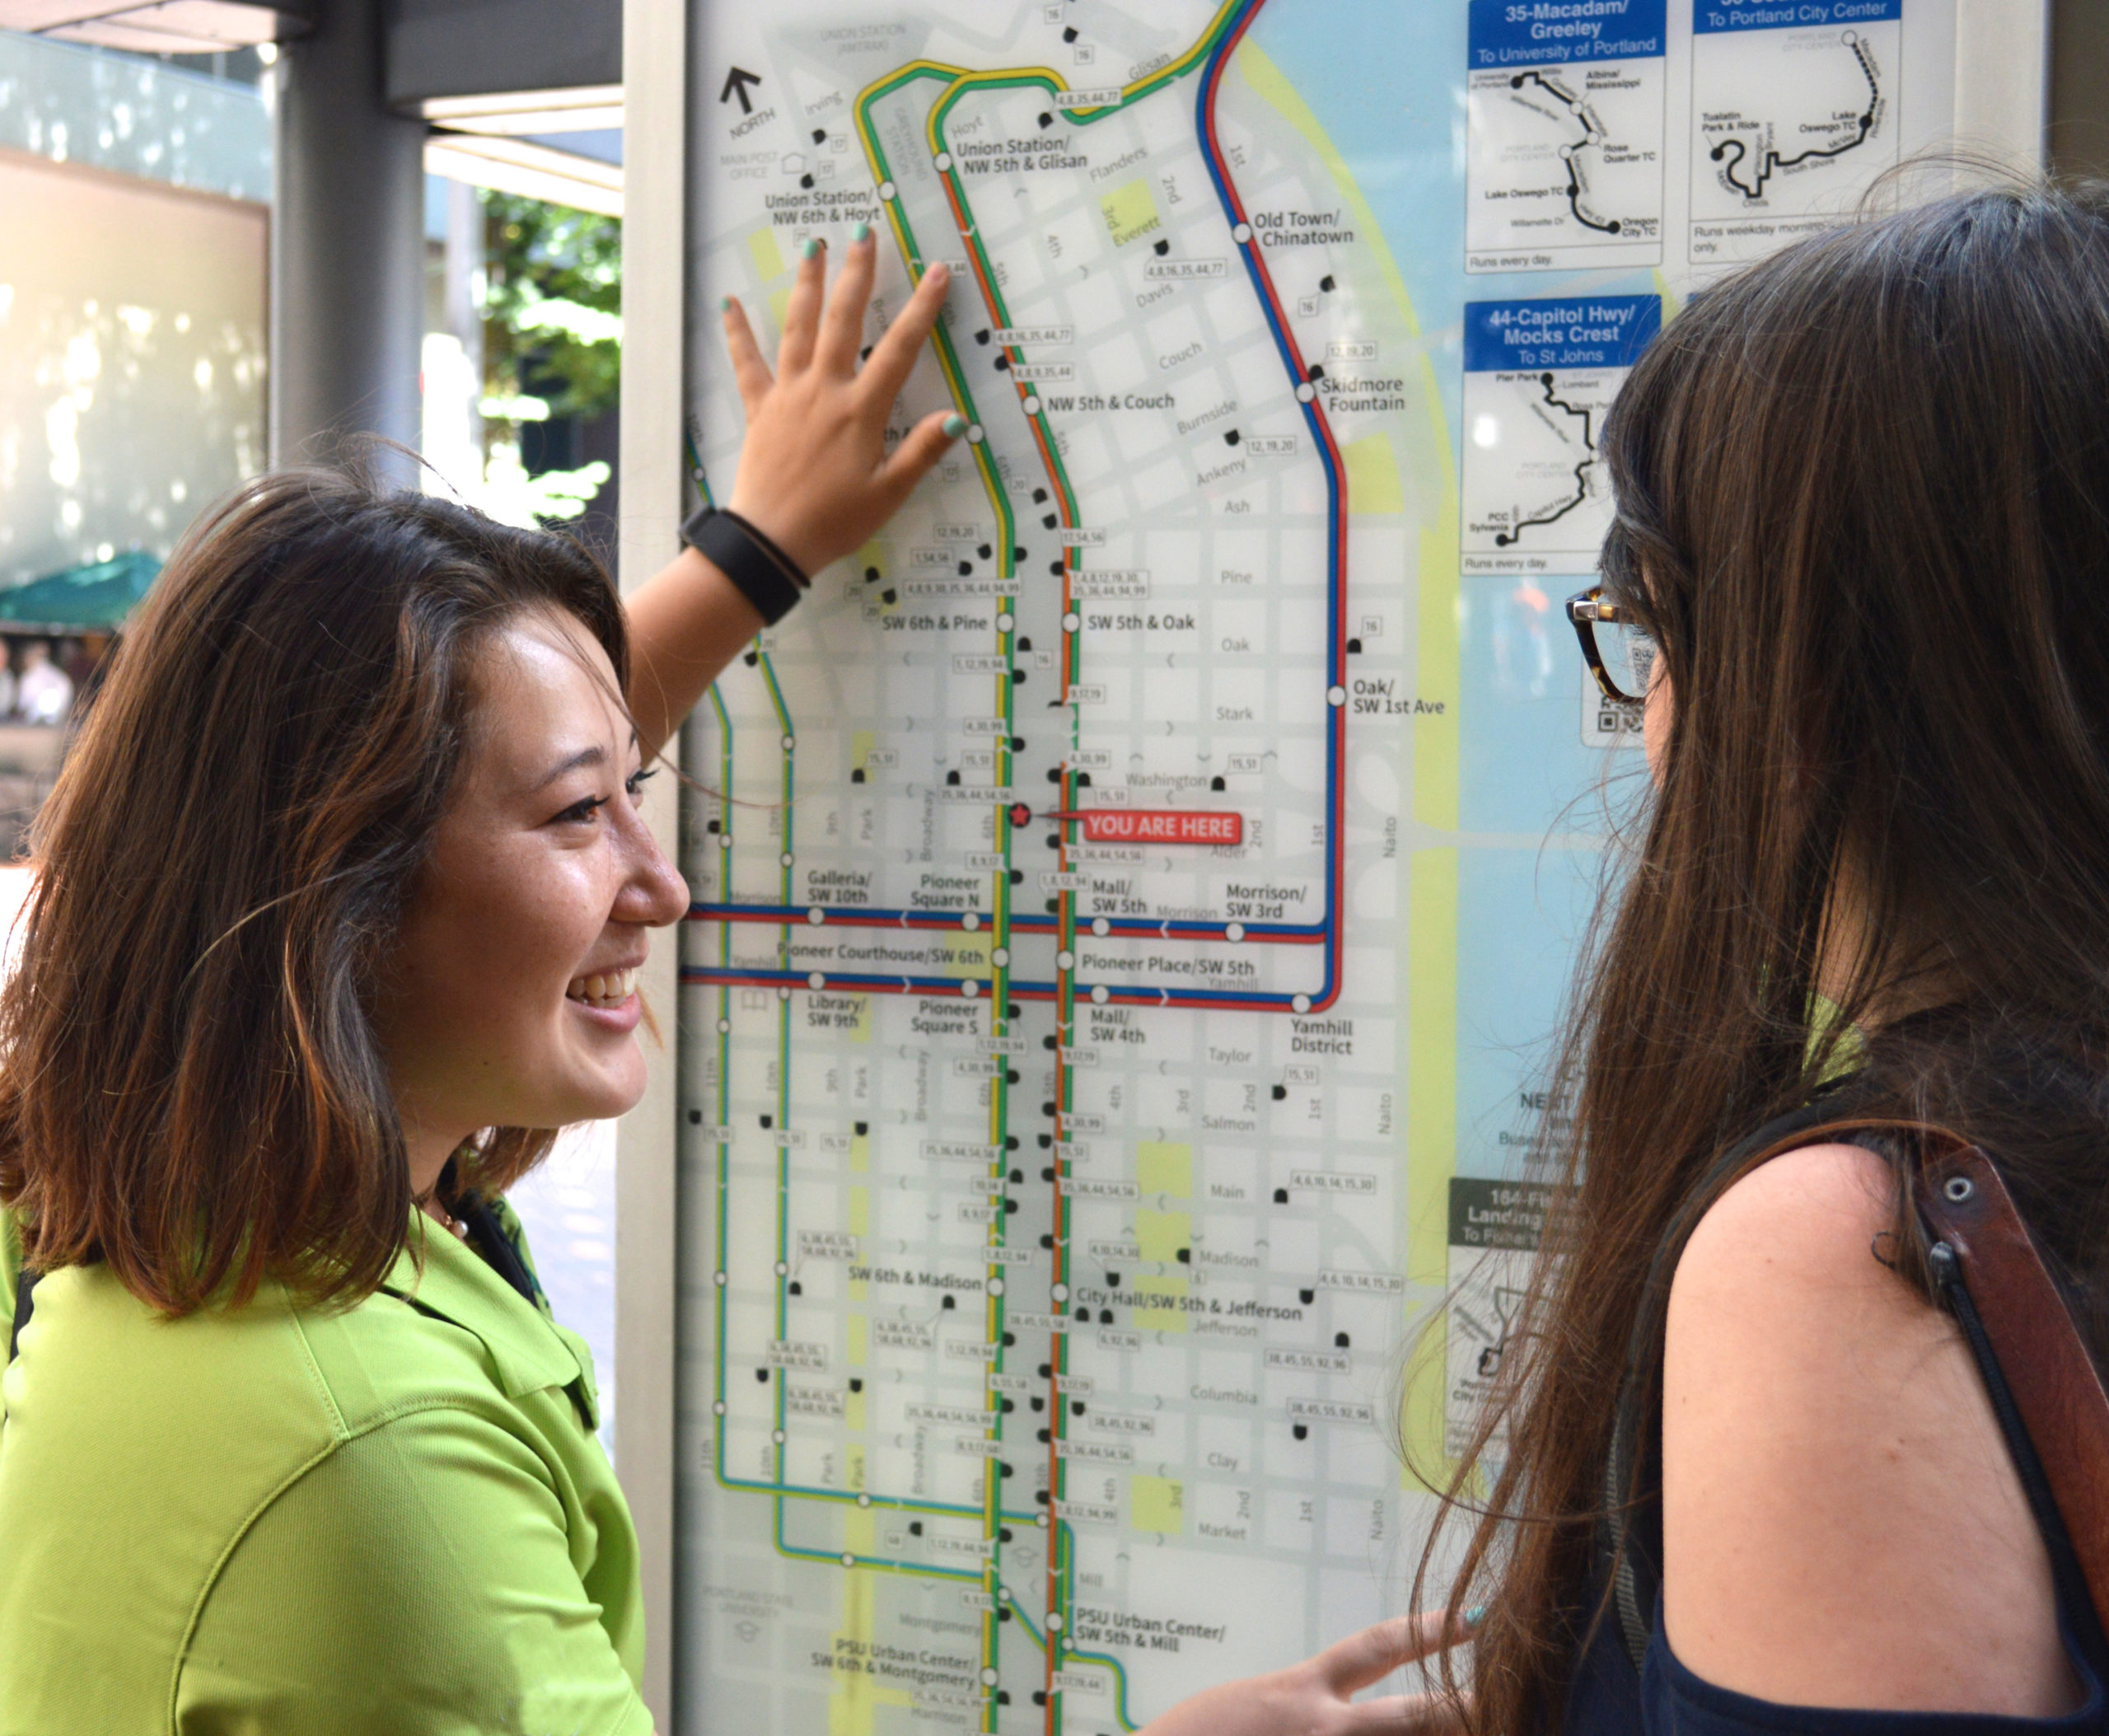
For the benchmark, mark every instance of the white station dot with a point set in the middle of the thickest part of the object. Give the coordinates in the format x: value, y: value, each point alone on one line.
x: 1060, y: 1292
x: 724, y: 1027
x: 1242, y: 234
x: 790, y: 743
x: 1102, y: 994
x: 974, y: 434
x: 816, y: 915
x: 783, y: 992
x: 886, y: 189
x: 847, y: 1559
x: 1054, y: 1621
x: 1305, y: 391
x: 970, y: 921
x: 1234, y: 931
x: 724, y: 840
x: 1100, y: 926
x: 1000, y: 957
x: 987, y: 1679
x: 863, y: 1500
x: 1337, y: 695
x: 1065, y: 960
x: 969, y: 987
x: 782, y: 1270
x: 718, y: 1408
x: 818, y: 980
x: 776, y: 1435
x: 1005, y: 622
x: 942, y: 161
x: 785, y: 859
x: 1031, y: 404
x: 721, y: 1279
x: 1300, y: 1003
x: 995, y: 1286
x: 1040, y: 1520
x: 1072, y: 621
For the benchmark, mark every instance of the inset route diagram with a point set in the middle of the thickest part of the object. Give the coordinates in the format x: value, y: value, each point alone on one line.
x: 1563, y: 135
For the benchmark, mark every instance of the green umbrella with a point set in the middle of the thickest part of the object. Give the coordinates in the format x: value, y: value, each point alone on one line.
x: 91, y: 599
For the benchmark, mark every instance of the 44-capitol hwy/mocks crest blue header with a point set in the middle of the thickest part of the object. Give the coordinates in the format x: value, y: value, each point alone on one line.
x: 1547, y: 32
x: 1578, y: 331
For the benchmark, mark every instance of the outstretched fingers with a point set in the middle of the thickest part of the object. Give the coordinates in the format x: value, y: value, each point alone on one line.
x: 842, y: 326
x: 916, y: 456
x: 893, y: 357
x: 801, y: 313
x: 750, y: 373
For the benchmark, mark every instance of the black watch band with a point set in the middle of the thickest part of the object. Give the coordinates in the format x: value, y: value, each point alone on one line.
x: 766, y: 576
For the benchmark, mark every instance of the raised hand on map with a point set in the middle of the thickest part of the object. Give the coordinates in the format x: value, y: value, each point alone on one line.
x: 1315, y: 1697
x: 814, y: 473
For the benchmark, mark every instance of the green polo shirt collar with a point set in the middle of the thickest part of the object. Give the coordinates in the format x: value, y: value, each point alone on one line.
x: 528, y: 1350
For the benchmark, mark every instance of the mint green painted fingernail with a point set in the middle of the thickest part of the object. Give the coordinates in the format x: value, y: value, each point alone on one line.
x: 861, y: 232
x: 954, y: 426
x: 724, y: 304
x: 810, y: 247
x: 1475, y: 1615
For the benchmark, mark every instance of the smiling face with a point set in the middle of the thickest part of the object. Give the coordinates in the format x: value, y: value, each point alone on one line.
x: 509, y: 998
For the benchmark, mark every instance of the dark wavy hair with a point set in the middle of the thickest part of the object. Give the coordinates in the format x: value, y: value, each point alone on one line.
x: 1862, y: 508
x: 191, y: 1091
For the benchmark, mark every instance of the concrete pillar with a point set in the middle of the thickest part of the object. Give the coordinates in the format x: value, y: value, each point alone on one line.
x: 347, y: 247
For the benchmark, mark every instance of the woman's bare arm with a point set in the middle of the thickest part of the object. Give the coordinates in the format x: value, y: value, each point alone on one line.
x: 1842, y: 1524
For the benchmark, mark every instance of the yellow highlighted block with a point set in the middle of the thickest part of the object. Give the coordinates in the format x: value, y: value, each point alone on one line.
x: 780, y: 307
x: 1373, y: 476
x: 858, y: 1348
x: 967, y: 955
x: 1156, y: 1504
x: 861, y: 744
x: 860, y: 1199
x: 1130, y: 212
x: 768, y: 256
x: 1438, y: 651
x: 1161, y: 1320
x: 853, y: 1412
x: 1161, y: 1168
x: 860, y: 1149
x: 1160, y: 1236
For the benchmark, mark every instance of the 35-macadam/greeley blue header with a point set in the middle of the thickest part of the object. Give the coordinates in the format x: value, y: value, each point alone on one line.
x: 1545, y: 32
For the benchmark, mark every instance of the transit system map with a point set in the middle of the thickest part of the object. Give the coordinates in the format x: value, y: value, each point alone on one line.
x: 1133, y: 896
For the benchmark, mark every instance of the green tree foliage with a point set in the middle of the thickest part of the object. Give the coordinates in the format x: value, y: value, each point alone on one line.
x: 551, y: 310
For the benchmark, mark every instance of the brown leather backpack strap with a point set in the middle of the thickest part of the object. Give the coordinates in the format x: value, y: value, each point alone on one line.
x: 1996, y: 1282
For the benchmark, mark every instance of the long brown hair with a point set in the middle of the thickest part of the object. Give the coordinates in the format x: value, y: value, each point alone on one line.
x: 191, y: 1090
x: 1863, y: 509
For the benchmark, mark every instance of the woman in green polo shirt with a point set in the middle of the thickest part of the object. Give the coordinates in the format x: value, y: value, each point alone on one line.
x: 340, y: 902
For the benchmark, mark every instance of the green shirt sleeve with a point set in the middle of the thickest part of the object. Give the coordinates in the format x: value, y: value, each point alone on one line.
x: 415, y: 1582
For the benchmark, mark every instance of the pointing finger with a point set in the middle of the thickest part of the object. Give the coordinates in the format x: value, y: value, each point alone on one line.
x: 751, y: 374
x: 801, y: 314
x: 893, y: 355
x: 842, y: 326
x: 1374, y: 1652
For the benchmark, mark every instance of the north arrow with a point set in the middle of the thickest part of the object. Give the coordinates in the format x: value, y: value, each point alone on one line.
x: 735, y: 84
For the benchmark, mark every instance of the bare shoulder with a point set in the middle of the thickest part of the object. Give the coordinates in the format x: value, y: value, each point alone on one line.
x: 1842, y: 1525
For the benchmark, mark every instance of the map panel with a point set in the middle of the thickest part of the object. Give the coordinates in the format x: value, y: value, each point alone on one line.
x: 1793, y: 118
x: 1133, y: 894
x: 1538, y: 377
x: 1564, y: 106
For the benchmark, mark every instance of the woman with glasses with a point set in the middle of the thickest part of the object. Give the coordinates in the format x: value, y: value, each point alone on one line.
x: 1795, y: 1441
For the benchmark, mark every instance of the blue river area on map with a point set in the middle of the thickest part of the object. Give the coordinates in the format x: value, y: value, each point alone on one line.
x: 1387, y: 77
